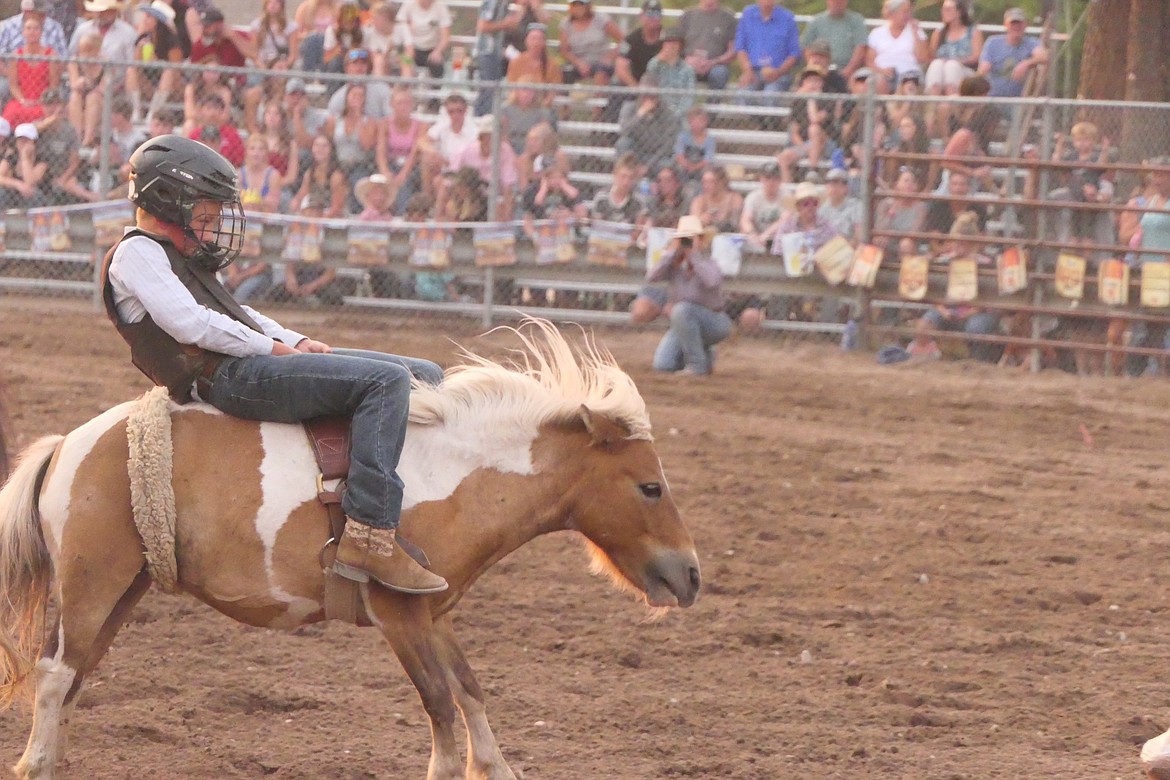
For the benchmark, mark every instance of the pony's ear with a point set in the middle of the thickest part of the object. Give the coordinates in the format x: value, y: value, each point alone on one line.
x: 605, y: 433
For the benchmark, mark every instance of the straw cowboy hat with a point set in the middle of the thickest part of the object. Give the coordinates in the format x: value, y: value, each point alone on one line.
x: 806, y: 190
x: 361, y: 190
x: 689, y: 226
x: 98, y: 6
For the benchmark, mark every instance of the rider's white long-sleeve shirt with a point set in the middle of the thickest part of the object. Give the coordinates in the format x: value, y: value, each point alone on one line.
x: 143, y: 283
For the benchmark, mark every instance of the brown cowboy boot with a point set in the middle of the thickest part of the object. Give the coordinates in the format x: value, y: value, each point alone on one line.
x: 366, y: 552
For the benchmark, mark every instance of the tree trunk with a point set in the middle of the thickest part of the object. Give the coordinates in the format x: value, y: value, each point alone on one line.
x: 1143, y: 130
x: 1145, y: 63
x: 1106, y: 35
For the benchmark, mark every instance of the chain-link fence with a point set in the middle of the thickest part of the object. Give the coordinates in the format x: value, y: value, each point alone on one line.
x: 390, y: 193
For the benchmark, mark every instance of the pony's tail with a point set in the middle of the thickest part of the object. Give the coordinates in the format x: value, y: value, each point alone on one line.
x: 25, y: 570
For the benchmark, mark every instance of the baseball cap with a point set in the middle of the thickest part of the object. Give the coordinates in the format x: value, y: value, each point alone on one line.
x: 294, y: 85
x: 27, y: 130
x: 357, y: 54
x: 5, y: 128
x: 652, y: 7
x: 837, y: 174
x: 34, y: 6
x: 820, y: 47
x: 1015, y: 15
x: 861, y: 74
x: 770, y: 168
x: 914, y: 74
x: 212, y: 15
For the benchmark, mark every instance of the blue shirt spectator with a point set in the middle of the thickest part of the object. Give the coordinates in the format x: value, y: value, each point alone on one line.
x: 767, y: 41
x: 12, y: 30
x: 1006, y: 59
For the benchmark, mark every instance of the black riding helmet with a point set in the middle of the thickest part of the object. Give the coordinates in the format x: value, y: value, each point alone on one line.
x: 169, y: 174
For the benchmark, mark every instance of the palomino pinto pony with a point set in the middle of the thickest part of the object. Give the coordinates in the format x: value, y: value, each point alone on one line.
x: 494, y: 457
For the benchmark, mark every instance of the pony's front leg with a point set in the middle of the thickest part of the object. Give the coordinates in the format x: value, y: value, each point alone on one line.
x: 484, y: 759
x: 405, y: 621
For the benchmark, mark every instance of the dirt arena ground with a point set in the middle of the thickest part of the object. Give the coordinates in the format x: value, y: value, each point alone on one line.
x: 945, y: 571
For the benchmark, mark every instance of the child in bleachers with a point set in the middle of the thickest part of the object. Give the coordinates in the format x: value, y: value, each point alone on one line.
x: 810, y: 125
x: 694, y: 150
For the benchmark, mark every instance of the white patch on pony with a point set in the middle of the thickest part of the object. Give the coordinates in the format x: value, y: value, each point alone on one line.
x: 196, y: 406
x: 288, y: 478
x: 53, y: 682
x: 72, y: 452
x: 436, y: 460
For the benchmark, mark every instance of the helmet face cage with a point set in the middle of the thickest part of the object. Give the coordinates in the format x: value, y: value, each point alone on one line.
x: 171, y: 175
x: 218, y: 244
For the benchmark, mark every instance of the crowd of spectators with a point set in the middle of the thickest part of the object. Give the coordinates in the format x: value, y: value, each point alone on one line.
x: 319, y: 144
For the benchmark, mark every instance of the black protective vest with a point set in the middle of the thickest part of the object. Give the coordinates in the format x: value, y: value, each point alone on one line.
x: 168, y: 363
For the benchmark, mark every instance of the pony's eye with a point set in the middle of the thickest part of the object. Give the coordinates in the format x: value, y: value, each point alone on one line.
x: 650, y: 490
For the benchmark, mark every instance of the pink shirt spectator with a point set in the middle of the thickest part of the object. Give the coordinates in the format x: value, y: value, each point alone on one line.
x: 471, y: 157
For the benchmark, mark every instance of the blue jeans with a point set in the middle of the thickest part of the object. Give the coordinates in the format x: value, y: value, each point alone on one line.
x: 718, y: 77
x: 981, y: 323
x: 694, y: 329
x: 489, y: 69
x: 372, y: 387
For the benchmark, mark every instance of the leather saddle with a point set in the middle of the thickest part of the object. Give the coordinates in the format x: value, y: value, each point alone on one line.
x: 331, y: 438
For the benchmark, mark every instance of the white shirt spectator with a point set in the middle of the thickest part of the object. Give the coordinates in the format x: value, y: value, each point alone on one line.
x: 377, y: 43
x: 118, y: 42
x: 451, y: 143
x: 424, y: 23
x: 896, y: 53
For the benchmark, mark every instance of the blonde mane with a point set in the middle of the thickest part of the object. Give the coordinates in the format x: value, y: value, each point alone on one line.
x: 547, y: 381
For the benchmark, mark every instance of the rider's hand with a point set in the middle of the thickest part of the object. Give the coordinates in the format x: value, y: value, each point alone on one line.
x: 280, y: 348
x: 309, y: 345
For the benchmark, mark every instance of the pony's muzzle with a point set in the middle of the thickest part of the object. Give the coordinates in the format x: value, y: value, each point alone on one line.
x: 673, y: 579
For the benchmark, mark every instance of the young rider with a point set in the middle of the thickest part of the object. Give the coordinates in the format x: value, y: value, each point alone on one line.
x: 188, y: 334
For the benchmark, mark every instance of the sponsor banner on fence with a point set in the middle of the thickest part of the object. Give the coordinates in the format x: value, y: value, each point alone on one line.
x: 609, y: 243
x: 1156, y: 285
x: 110, y: 221
x: 1012, y: 270
x: 867, y: 259
x: 432, y: 247
x: 554, y: 242
x: 368, y: 245
x: 1113, y: 282
x: 495, y: 245
x: 1069, y: 279
x: 50, y: 230
x: 797, y: 254
x: 302, y: 242
x: 914, y: 277
x: 834, y: 260
x: 963, y: 279
x: 657, y: 240
x: 727, y: 252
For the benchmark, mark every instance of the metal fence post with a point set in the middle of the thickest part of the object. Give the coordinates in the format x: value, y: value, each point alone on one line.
x: 105, y: 134
x: 489, y: 275
x: 1047, y: 123
x: 868, y: 178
